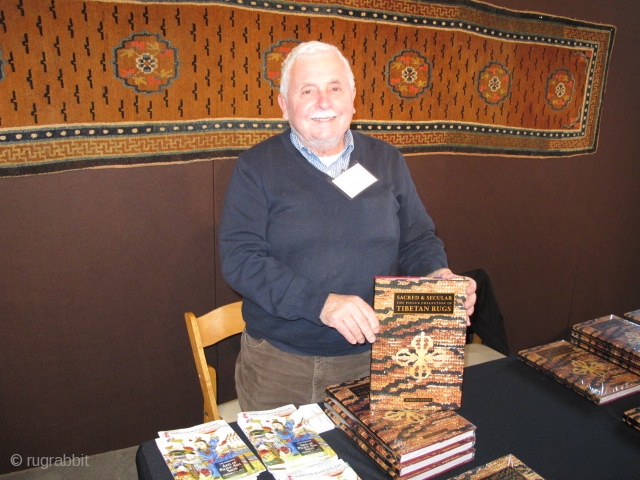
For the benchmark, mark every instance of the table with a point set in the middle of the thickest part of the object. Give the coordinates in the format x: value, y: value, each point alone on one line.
x: 517, y: 410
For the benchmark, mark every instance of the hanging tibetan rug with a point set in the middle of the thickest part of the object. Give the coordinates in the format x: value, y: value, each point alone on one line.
x: 89, y: 83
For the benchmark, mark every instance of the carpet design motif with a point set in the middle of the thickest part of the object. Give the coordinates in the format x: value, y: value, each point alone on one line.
x: 146, y: 62
x: 89, y: 83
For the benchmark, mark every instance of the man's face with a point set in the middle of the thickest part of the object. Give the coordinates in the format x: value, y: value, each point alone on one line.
x: 319, y: 103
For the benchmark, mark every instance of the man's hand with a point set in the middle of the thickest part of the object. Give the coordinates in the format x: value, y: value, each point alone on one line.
x: 470, y: 302
x: 352, y: 317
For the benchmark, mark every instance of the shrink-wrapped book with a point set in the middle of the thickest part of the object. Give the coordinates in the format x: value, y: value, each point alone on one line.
x: 586, y: 373
x: 614, y: 338
x: 504, y: 468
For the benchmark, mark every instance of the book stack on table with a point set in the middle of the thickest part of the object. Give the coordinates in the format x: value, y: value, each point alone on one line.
x: 503, y: 468
x: 611, y: 337
x: 601, y: 361
x: 403, y: 416
x: 634, y: 316
x: 407, y: 444
x: 632, y: 417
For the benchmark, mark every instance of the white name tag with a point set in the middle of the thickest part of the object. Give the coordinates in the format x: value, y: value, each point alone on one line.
x: 354, y: 180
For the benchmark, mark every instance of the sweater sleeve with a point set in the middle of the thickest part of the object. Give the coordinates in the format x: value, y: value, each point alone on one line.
x: 247, y: 264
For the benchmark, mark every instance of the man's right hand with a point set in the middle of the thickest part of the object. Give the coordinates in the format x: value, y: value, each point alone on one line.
x: 352, y: 317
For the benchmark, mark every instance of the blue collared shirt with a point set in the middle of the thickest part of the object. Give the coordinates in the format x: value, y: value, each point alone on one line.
x: 338, y: 166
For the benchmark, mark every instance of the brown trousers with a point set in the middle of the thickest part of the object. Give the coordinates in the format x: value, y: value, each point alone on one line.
x: 267, y: 377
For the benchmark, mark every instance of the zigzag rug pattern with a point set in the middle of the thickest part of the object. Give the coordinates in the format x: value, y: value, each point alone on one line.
x: 88, y: 83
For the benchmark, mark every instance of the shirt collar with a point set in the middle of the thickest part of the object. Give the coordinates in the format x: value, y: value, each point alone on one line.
x: 313, y: 157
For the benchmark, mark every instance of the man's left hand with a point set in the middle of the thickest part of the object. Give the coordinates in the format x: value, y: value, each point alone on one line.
x: 470, y: 302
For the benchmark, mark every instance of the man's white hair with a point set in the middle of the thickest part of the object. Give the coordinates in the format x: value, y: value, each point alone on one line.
x: 310, y: 48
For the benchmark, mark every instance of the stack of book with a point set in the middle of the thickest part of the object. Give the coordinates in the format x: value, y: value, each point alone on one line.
x: 632, y: 417
x: 613, y: 338
x: 407, y: 444
x: 210, y: 450
x: 588, y: 374
x: 634, y: 316
x: 507, y: 467
x: 289, y: 446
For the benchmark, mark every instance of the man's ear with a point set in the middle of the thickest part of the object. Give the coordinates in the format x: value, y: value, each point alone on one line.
x: 354, y: 99
x: 282, y: 101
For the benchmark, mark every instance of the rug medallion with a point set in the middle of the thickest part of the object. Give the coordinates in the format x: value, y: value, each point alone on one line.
x: 88, y: 83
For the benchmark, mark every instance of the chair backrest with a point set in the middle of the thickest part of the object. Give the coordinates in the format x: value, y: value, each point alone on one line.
x: 207, y: 330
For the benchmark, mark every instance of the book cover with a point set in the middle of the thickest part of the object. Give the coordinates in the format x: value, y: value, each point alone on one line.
x: 283, y: 438
x: 417, y: 360
x: 504, y: 468
x: 634, y: 316
x: 632, y: 417
x: 367, y: 443
x: 406, y: 434
x: 586, y: 373
x: 210, y: 450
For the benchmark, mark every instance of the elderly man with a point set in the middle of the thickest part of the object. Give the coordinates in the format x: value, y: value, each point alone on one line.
x: 311, y: 216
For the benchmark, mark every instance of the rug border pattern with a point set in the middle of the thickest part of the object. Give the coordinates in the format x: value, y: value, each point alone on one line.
x: 108, y: 144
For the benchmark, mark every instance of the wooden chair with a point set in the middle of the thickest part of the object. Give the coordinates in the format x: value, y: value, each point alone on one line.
x: 207, y: 330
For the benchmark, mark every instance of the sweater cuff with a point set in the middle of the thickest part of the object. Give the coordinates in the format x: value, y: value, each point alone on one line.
x: 314, y: 303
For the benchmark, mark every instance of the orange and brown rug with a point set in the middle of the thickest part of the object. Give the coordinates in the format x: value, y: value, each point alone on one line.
x: 87, y: 83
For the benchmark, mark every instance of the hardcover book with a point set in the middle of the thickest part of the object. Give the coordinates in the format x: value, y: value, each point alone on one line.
x: 606, y: 353
x: 417, y: 359
x: 588, y: 374
x: 373, y: 447
x: 632, y: 417
x: 210, y: 450
x: 415, y: 471
x: 404, y: 434
x: 389, y: 463
x: 634, y: 316
x: 614, y: 338
x: 504, y: 468
x: 284, y: 439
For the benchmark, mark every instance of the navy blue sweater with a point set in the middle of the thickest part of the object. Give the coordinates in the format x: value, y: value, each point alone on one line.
x: 289, y: 237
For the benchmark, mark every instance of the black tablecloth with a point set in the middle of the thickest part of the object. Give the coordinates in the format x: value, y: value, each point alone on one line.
x: 517, y: 410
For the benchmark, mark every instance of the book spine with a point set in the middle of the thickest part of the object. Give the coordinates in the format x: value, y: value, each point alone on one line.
x: 426, y: 471
x: 539, y: 363
x: 632, y: 417
x: 604, y: 351
x: 381, y: 448
x: 633, y: 316
x: 612, y: 332
x: 586, y: 373
x: 406, y: 434
x: 349, y: 416
x: 383, y: 462
x: 631, y: 353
